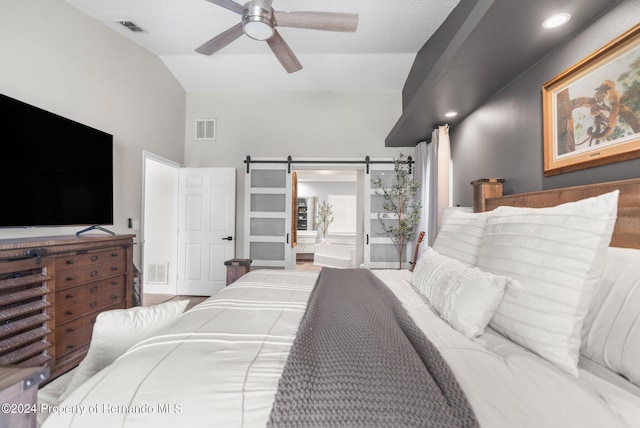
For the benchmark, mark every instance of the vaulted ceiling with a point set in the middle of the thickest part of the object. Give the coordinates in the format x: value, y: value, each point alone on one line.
x: 442, y: 54
x: 377, y: 56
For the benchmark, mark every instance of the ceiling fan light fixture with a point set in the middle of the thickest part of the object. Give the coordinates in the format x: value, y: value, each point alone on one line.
x: 258, y: 30
x: 257, y: 23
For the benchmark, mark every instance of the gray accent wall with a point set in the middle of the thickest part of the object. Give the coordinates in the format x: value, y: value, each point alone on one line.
x: 504, y: 137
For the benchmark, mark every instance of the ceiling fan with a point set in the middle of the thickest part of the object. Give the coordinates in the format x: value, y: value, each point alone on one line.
x: 259, y: 21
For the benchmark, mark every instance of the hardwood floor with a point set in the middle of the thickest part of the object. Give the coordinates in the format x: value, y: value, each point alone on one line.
x: 307, y: 265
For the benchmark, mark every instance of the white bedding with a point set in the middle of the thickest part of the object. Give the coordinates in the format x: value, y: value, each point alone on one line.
x: 218, y: 366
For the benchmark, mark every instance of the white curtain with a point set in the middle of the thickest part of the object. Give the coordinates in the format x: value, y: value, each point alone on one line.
x: 432, y: 170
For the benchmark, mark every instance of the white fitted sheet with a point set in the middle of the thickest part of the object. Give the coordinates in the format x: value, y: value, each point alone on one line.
x: 218, y: 366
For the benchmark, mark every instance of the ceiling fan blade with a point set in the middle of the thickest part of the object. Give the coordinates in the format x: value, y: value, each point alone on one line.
x: 229, y: 4
x: 327, y: 21
x: 221, y: 40
x: 284, y: 53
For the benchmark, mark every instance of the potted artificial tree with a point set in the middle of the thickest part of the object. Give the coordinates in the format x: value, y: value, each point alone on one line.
x: 325, y: 218
x: 399, y: 201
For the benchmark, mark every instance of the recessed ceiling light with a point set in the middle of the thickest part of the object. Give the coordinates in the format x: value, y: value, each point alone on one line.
x: 451, y: 114
x: 556, y: 20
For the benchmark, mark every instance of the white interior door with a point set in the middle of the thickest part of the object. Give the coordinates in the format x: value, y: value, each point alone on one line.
x: 206, y: 218
x: 267, y: 226
x: 379, y: 250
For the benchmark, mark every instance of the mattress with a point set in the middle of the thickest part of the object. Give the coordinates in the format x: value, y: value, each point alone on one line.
x: 219, y: 364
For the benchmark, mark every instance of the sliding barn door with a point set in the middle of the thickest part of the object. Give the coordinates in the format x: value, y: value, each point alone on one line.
x: 379, y: 250
x: 268, y: 217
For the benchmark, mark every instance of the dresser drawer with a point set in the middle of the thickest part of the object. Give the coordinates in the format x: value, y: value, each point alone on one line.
x: 70, y: 304
x: 74, y: 302
x: 70, y: 337
x: 105, y: 293
x: 73, y: 277
x: 89, y: 259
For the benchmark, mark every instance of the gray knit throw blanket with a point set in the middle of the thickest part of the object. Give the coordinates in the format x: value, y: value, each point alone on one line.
x: 359, y: 360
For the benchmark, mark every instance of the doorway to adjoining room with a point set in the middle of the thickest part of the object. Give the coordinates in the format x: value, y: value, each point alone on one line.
x: 333, y: 242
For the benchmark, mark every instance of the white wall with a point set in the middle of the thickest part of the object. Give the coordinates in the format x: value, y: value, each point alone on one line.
x: 61, y: 60
x: 300, y: 124
x: 322, y: 189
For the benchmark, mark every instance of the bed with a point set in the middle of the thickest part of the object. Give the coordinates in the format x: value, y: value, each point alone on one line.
x: 250, y: 355
x: 335, y: 255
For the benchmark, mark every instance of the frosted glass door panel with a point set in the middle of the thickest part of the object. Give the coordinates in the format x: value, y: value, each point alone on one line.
x: 267, y: 227
x: 382, y: 253
x: 377, y: 203
x: 273, y: 251
x: 376, y: 229
x: 268, y: 203
x: 261, y: 178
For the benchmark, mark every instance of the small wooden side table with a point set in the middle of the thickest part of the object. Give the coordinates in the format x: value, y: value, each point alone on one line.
x: 484, y: 188
x: 19, y: 395
x: 236, y: 268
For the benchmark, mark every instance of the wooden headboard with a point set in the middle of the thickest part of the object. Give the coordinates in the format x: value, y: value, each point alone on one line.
x: 627, y: 230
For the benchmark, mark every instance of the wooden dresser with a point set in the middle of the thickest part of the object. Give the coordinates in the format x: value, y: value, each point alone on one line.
x: 51, y: 291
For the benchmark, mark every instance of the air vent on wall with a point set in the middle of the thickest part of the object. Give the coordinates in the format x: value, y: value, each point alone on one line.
x: 157, y: 274
x: 205, y: 129
x: 131, y: 26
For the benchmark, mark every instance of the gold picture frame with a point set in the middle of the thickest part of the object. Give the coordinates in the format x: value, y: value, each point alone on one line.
x: 591, y: 111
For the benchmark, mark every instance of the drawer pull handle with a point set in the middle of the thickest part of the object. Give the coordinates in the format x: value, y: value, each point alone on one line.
x: 114, y: 268
x: 93, y: 289
x: 69, y: 312
x: 71, y: 262
x: 71, y: 346
x: 94, y: 258
x: 94, y: 273
x: 93, y: 304
x: 114, y: 282
x: 115, y: 254
x: 69, y: 296
x: 71, y: 329
x: 70, y: 278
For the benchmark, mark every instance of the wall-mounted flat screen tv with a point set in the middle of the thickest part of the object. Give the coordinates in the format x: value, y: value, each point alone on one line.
x: 53, y: 171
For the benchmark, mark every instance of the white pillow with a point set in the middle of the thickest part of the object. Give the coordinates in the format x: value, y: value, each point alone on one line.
x: 118, y: 330
x: 464, y: 296
x: 461, y: 236
x: 611, y: 334
x: 557, y: 254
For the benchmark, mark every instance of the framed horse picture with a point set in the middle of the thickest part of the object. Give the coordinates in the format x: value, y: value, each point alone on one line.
x: 591, y: 111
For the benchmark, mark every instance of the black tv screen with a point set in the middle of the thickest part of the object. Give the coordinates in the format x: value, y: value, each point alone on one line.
x: 53, y: 171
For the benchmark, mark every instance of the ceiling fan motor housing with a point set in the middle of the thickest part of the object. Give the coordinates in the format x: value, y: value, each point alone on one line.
x: 257, y: 22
